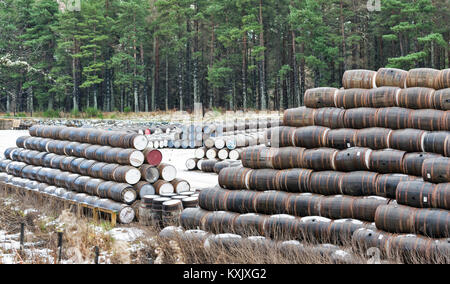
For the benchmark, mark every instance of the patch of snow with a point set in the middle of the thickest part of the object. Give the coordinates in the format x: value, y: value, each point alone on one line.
x: 126, y: 234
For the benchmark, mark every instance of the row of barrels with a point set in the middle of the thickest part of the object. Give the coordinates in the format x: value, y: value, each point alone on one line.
x: 324, y: 183
x: 100, y: 153
x: 233, y: 142
x: 120, y: 192
x: 280, y: 227
x: 412, y: 98
x: 301, y: 205
x: 431, y: 167
x: 360, y: 118
x: 210, y: 166
x: 124, y: 212
x: 392, y: 77
x: 399, y: 219
x: 409, y: 140
x: 214, y: 153
x: 91, y: 136
x: 162, y: 187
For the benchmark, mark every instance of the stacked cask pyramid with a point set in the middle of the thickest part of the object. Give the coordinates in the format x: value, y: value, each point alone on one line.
x: 107, y: 170
x: 367, y: 164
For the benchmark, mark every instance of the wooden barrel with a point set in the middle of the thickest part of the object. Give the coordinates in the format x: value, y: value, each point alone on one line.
x: 79, y: 150
x: 409, y: 140
x: 281, y: 136
x: 359, y: 183
x: 365, y: 208
x: 207, y: 166
x: 126, y: 174
x: 330, y: 117
x: 85, y: 167
x: 193, y: 218
x: 305, y: 204
x: 310, y: 137
x: 234, y: 178
x: 391, y: 77
x: 250, y: 225
x: 320, y: 97
x: 69, y: 149
x: 96, y: 169
x: 262, y: 180
x: 416, y: 194
x: 319, y: 159
x: 443, y: 80
x: 149, y: 173
x: 79, y: 184
x: 423, y: 77
x: 20, y: 142
x: 410, y: 248
x: 171, y: 211
x: 167, y: 172
x: 92, y: 186
x: 441, y: 196
x: 353, y: 159
x: 234, y: 155
x: 211, y: 154
x: 436, y: 170
x: 437, y: 142
x: 256, y: 157
x: 326, y: 183
x: 393, y: 118
x: 413, y: 162
x: 128, y: 157
x: 337, y: 207
x: 340, y: 138
x: 351, y: 98
x: 441, y: 99
x: 386, y: 185
x: 386, y: 161
x: 294, y: 180
x: 221, y: 165
x: 90, y: 151
x: 271, y: 202
x: 299, y: 117
x: 213, y: 199
x: 428, y: 119
x: 190, y: 202
x: 360, y: 118
x: 364, y: 79
x: 281, y: 227
x: 365, y: 239
x: 286, y: 158
x: 416, y: 98
x: 181, y: 185
x: 220, y: 222
x: 152, y: 156
x: 66, y: 163
x: 162, y: 187
x: 191, y: 164
x: 241, y: 201
x: 157, y: 210
x: 382, y: 97
x: 395, y: 219
x: 223, y: 154
x: 144, y: 189
x: 432, y: 223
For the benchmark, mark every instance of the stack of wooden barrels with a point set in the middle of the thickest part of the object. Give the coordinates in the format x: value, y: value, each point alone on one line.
x: 94, y: 164
x: 368, y: 164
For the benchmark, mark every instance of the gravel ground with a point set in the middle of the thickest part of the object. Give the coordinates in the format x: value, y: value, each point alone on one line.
x: 175, y: 157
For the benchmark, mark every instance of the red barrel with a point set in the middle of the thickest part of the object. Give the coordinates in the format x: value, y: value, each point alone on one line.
x: 382, y: 97
x: 428, y: 119
x: 351, y: 98
x: 393, y: 118
x: 387, y: 184
x: 441, y: 99
x: 286, y: 158
x: 413, y: 162
x: 423, y: 77
x: 387, y: 161
x: 321, y: 159
x: 330, y: 117
x: 436, y: 170
x: 153, y: 156
x: 391, y: 77
x: 294, y: 180
x: 234, y: 178
x: 326, y: 183
x: 340, y: 138
x: 320, y: 97
x: 299, y: 117
x: 360, y: 118
x: 416, y: 98
x: 364, y: 79
x: 310, y: 137
x: 359, y: 183
x: 409, y: 140
x: 353, y: 159
x: 373, y: 138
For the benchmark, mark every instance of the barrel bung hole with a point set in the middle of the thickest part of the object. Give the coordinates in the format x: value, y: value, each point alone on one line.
x: 370, y: 234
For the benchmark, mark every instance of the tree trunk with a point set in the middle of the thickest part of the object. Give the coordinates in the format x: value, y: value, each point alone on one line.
x: 180, y: 80
x: 155, y: 86
x: 167, y: 83
x: 263, y: 60
x: 244, y: 72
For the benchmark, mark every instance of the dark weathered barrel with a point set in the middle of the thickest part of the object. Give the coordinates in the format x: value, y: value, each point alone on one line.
x: 220, y: 222
x: 433, y: 223
x: 416, y: 98
x: 359, y: 183
x: 364, y: 79
x: 181, y: 185
x: 294, y: 180
x: 256, y: 157
x: 262, y: 180
x: 190, y: 202
x: 326, y: 183
x: 393, y: 118
x: 415, y: 194
x: 234, y: 178
x: 193, y: 218
x: 351, y: 98
x: 281, y: 136
x: 92, y: 186
x: 281, y: 227
x: 207, y: 166
x: 299, y: 117
x: 382, y: 97
x: 365, y: 239
x: 413, y: 162
x: 250, y: 225
x: 330, y: 117
x: 386, y: 185
x: 320, y: 97
x: 353, y: 159
x: 127, y: 157
x: 437, y: 142
x: 162, y: 187
x: 271, y: 202
x: 85, y: 167
x: 126, y: 174
x: 428, y: 119
x: 441, y: 196
x: 391, y: 77
x: 20, y: 142
x: 171, y: 211
x: 423, y: 77
x: 436, y: 170
x: 387, y: 161
x: 305, y: 204
x: 441, y: 99
x: 443, y: 80
x: 144, y: 188
x: 321, y: 159
x: 149, y: 173
x: 409, y: 140
x: 286, y: 158
x: 96, y: 169
x: 337, y: 207
x: 213, y: 199
x: 310, y: 137
x: 340, y: 138
x: 241, y: 201
x: 360, y: 118
x: 395, y: 219
x: 364, y: 208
